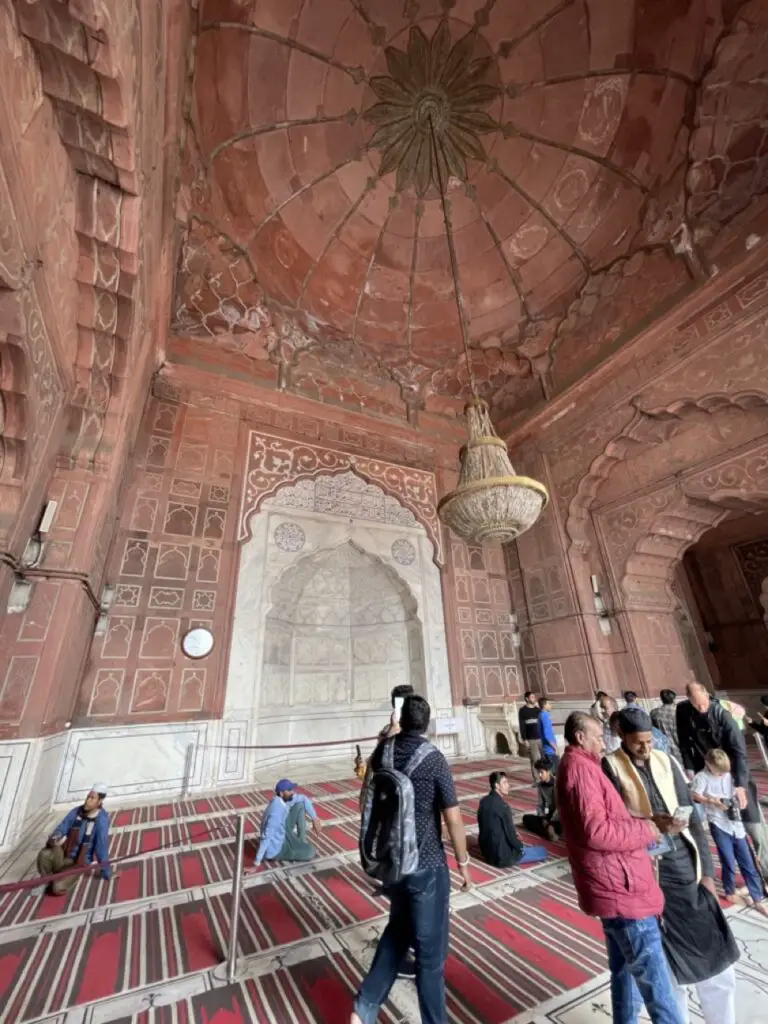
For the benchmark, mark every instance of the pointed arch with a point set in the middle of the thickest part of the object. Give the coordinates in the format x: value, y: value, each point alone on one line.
x: 276, y: 462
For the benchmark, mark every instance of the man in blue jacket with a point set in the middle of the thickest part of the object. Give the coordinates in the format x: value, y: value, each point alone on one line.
x: 548, y: 740
x: 284, y: 826
x: 81, y: 838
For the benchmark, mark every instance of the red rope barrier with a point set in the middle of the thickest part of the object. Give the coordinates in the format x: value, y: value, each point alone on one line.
x: 34, y: 883
x: 291, y: 746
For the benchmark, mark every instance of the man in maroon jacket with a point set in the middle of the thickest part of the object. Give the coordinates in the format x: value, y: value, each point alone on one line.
x: 613, y: 875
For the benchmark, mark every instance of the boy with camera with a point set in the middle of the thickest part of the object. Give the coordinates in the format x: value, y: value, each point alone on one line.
x: 713, y: 790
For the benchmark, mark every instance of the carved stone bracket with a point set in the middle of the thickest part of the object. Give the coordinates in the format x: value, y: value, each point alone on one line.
x: 275, y: 461
x: 87, y: 55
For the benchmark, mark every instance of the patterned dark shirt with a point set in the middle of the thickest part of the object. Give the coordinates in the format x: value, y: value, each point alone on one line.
x: 433, y: 792
x: 665, y: 720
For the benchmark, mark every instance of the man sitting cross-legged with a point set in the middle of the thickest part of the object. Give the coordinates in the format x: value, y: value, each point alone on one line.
x: 284, y: 826
x: 546, y: 821
x: 81, y: 838
x: 499, y: 843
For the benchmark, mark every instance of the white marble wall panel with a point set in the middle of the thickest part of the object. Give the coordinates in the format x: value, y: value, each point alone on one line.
x: 16, y: 760
x: 28, y: 773
x: 50, y: 754
x: 132, y: 760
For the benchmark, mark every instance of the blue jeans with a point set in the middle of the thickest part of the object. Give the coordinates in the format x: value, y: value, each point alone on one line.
x: 733, y: 851
x: 639, y: 972
x: 418, y: 918
x: 533, y: 855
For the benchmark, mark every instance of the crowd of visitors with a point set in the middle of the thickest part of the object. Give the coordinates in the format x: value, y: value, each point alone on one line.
x: 643, y: 865
x: 632, y: 797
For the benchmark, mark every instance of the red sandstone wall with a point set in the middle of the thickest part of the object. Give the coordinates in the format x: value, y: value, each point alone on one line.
x: 641, y: 461
x: 85, y: 260
x: 172, y: 566
x: 174, y: 559
x: 485, y: 664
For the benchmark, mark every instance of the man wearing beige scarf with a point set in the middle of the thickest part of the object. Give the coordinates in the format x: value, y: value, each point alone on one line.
x: 697, y: 939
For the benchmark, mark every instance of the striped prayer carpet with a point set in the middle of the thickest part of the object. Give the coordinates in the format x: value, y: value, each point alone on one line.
x: 506, y: 955
x: 171, y: 871
x: 142, y: 879
x: 318, y: 991
x: 87, y: 962
x: 93, y: 961
x: 504, y: 958
x: 250, y: 799
x: 157, y: 876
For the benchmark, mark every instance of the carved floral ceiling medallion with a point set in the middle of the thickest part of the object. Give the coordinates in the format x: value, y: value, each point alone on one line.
x: 432, y: 83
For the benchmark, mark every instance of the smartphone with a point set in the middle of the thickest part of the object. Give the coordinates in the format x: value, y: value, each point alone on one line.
x: 399, y: 701
x: 683, y: 814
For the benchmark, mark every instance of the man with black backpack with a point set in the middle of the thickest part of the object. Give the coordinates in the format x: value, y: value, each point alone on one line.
x: 392, y: 728
x: 410, y: 788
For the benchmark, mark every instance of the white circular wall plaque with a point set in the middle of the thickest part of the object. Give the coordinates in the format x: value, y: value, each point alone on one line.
x: 197, y: 643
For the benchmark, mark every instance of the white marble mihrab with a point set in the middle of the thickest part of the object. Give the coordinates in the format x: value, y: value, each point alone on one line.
x: 343, y: 588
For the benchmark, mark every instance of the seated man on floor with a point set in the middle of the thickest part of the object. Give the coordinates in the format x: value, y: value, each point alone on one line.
x: 546, y: 821
x: 284, y: 826
x: 499, y: 844
x: 81, y: 838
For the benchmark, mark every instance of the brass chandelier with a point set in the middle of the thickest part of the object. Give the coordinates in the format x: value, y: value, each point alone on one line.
x: 491, y: 503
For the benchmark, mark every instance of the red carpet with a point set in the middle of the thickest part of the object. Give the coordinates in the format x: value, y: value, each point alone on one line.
x: 507, y: 955
x: 318, y: 991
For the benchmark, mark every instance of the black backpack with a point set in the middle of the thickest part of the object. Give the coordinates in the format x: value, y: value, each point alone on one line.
x: 388, y: 847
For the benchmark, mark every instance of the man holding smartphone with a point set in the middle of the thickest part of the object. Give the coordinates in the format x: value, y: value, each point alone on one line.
x: 697, y: 939
x: 392, y: 728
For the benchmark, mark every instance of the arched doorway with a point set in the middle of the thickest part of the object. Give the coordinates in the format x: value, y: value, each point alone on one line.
x: 502, y: 744
x: 714, y: 544
x: 726, y: 568
x: 342, y: 630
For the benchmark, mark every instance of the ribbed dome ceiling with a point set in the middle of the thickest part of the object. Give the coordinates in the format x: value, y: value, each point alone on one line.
x: 562, y: 132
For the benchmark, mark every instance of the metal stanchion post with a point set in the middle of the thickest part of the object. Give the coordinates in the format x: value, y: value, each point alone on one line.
x: 189, y: 762
x: 237, y: 885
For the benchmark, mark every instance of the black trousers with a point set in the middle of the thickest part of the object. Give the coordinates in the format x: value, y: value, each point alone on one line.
x: 533, y: 823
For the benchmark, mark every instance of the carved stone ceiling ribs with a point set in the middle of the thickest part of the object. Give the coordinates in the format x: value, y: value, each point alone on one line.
x: 562, y: 129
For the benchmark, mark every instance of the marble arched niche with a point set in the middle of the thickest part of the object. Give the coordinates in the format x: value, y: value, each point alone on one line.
x: 338, y: 599
x: 342, y: 628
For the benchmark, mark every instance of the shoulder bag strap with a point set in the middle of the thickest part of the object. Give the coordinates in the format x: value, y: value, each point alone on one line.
x: 388, y: 754
x: 420, y: 755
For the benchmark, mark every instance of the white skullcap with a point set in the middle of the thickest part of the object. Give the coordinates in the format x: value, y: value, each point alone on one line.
x: 100, y: 788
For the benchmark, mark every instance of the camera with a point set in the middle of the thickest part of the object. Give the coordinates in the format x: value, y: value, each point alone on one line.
x: 732, y: 810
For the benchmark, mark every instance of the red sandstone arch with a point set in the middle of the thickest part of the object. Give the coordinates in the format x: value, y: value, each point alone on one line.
x: 737, y: 485
x: 647, y: 426
x: 352, y: 466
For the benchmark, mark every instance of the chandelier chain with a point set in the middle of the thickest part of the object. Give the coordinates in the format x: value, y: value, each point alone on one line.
x: 454, y: 263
